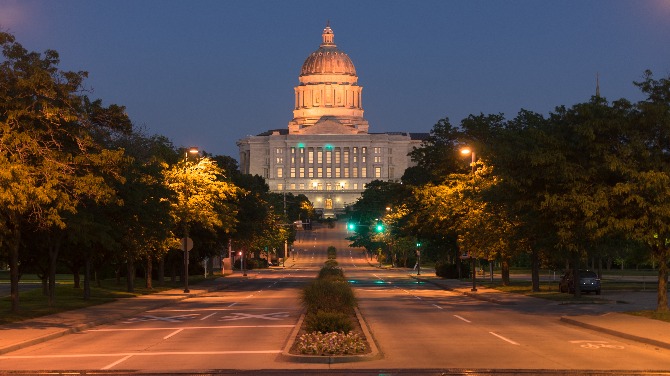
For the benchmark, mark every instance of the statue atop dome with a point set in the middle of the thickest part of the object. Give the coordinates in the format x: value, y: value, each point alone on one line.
x: 328, y: 89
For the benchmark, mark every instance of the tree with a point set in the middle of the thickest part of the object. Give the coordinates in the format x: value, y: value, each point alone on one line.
x: 49, y: 160
x: 203, y: 198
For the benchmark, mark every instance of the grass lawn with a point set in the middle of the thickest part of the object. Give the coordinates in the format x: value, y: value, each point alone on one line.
x: 663, y: 316
x: 32, y: 303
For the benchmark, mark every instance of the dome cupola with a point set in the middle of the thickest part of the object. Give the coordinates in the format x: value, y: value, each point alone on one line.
x: 328, y: 59
x: 328, y: 92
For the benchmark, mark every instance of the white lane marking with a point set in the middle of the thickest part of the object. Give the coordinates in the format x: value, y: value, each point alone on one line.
x: 437, y: 306
x: 144, y: 318
x: 461, y: 318
x: 504, y: 339
x: 138, y: 354
x: 192, y: 328
x: 208, y: 316
x: 232, y: 304
x: 223, y: 309
x: 266, y: 316
x: 115, y: 363
x: 173, y: 333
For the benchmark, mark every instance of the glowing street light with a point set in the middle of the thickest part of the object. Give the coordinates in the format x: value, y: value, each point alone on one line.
x: 187, y: 244
x: 466, y: 151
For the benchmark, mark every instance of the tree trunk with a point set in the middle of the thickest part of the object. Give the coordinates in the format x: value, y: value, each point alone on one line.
x: 130, y: 278
x: 76, y: 277
x: 504, y: 271
x: 87, y: 278
x: 54, y: 248
x: 161, y: 271
x: 14, y: 242
x: 575, y: 276
x: 663, y: 254
x: 535, y: 270
x: 149, y: 272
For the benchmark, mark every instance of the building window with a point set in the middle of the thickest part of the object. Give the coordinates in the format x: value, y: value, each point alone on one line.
x: 280, y: 172
x: 329, y: 172
x: 292, y: 172
x: 279, y: 151
x: 302, y: 186
x: 346, y: 172
x: 355, y: 186
x: 377, y: 150
x: 391, y: 173
x: 378, y: 172
x: 280, y: 186
x: 310, y: 172
x: 302, y: 150
x: 310, y: 156
x: 292, y: 150
x: 364, y: 172
x: 355, y: 150
x: 302, y: 159
x: 355, y: 158
x: 292, y: 160
x: 302, y: 172
x: 280, y: 160
x: 363, y: 159
x: 319, y: 156
x: 354, y: 172
x: 293, y: 186
x: 346, y: 157
x: 319, y: 187
x: 329, y: 187
x: 378, y: 159
x: 338, y: 173
x: 329, y: 157
x: 364, y: 150
x: 337, y: 156
x: 319, y: 172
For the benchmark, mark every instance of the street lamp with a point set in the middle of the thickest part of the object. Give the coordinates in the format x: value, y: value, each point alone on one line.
x: 186, y: 240
x: 466, y: 151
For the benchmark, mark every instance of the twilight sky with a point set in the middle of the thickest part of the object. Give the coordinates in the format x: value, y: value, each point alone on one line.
x: 207, y: 73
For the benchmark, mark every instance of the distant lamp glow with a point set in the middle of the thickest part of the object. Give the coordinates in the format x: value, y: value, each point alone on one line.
x: 466, y: 151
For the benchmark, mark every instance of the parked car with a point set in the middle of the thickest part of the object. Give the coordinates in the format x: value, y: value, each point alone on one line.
x: 588, y: 282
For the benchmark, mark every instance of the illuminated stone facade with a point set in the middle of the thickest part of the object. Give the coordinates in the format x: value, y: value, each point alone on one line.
x: 326, y: 153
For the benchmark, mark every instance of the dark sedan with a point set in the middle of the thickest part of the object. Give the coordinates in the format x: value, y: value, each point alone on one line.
x: 588, y: 282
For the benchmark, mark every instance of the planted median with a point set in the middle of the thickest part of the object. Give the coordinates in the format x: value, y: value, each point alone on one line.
x: 330, y: 326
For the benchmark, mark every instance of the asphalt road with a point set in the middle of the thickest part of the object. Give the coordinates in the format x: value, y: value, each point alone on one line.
x: 418, y: 327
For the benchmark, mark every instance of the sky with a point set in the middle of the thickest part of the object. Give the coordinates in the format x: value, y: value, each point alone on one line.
x: 208, y: 73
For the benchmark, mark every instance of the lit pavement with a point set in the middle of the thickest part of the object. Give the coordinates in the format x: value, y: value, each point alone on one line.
x: 241, y: 325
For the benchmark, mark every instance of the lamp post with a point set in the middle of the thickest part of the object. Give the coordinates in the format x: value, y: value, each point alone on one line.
x: 185, y: 241
x: 466, y: 151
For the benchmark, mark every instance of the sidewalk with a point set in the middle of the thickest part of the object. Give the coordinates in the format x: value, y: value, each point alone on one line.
x: 636, y: 328
x: 26, y: 333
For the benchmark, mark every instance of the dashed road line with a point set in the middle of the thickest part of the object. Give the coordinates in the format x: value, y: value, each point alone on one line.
x: 116, y: 363
x: 173, y: 333
x: 504, y: 339
x: 208, y: 316
x: 462, y: 318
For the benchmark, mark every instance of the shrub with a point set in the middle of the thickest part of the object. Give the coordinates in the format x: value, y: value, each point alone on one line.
x: 332, y: 252
x: 328, y: 321
x: 450, y: 271
x: 333, y: 273
x: 328, y: 295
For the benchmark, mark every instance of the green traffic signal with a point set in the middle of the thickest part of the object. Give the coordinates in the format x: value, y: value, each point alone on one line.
x: 418, y: 244
x: 380, y: 227
x: 351, y: 226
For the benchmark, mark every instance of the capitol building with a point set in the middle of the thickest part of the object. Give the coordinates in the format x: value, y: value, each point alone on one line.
x: 326, y: 152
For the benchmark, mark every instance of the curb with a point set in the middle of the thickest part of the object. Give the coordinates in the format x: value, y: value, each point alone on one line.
x: 81, y: 327
x: 322, y: 359
x: 615, y: 333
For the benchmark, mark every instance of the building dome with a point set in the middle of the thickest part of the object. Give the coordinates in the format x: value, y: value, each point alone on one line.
x: 328, y: 59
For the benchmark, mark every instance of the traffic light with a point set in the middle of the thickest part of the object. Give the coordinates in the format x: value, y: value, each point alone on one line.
x: 418, y: 244
x: 351, y: 226
x: 379, y: 227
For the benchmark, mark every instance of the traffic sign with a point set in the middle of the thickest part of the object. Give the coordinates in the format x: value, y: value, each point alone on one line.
x: 186, y: 244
